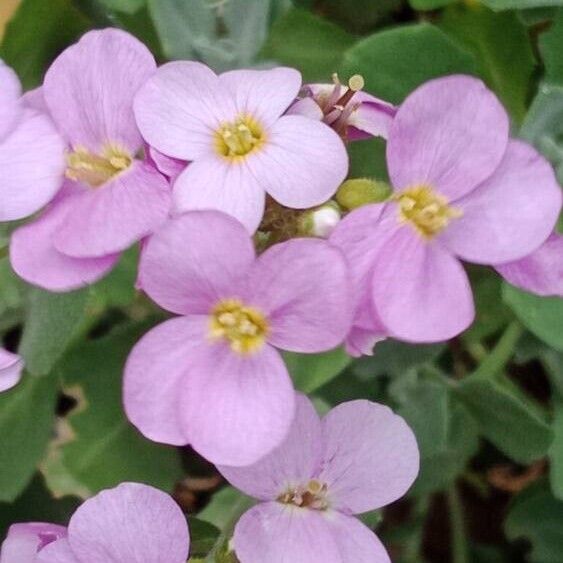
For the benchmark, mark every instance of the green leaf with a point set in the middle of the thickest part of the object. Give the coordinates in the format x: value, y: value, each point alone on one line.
x: 360, y: 15
x: 506, y: 417
x: 36, y: 505
x: 311, y: 44
x: 445, y: 432
x: 203, y: 536
x: 215, y: 33
x: 502, y: 48
x: 551, y: 47
x: 127, y: 6
x: 104, y: 449
x: 543, y: 126
x: 225, y: 507
x: 311, y: 371
x: 536, y: 515
x: 53, y: 319
x: 430, y: 4
x: 499, y: 5
x: 367, y: 159
x: 26, y: 421
x: 37, y: 34
x: 395, y: 61
x: 541, y: 315
x: 556, y: 451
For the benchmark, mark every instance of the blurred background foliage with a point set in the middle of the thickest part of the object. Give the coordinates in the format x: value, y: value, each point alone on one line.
x: 487, y: 407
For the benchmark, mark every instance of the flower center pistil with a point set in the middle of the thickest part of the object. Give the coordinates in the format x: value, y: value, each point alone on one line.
x: 313, y: 496
x: 245, y: 328
x: 239, y: 138
x: 97, y: 169
x: 426, y: 210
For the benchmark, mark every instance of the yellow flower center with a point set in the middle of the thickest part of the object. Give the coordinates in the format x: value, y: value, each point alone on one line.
x: 426, y: 210
x: 237, y: 139
x: 244, y: 327
x: 97, y: 169
x: 313, y: 496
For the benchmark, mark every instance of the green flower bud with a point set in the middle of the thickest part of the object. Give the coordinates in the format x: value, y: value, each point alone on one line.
x: 361, y: 191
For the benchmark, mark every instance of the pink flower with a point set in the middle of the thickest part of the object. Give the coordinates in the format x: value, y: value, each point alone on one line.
x: 213, y: 377
x: 353, y: 114
x: 540, y: 272
x: 131, y: 523
x: 240, y: 145
x: 11, y: 367
x: 462, y: 190
x: 31, y: 153
x: 111, y: 199
x: 359, y: 457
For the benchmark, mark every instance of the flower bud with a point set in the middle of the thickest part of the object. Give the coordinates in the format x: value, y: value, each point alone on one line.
x: 321, y: 221
x: 361, y: 191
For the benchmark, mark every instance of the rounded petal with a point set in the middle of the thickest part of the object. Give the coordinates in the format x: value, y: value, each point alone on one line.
x: 541, y: 272
x: 372, y: 118
x: 360, y: 341
x: 279, y: 533
x: 32, y: 160
x: 194, y: 260
x: 34, y: 99
x: 302, y: 162
x: 24, y: 540
x: 303, y: 286
x: 57, y: 552
x: 116, y: 215
x: 355, y: 542
x: 154, y: 376
x: 450, y: 133
x: 90, y: 87
x: 179, y: 109
x: 370, y: 456
x: 291, y: 464
x: 263, y: 94
x: 236, y: 409
x: 510, y: 214
x: 170, y: 167
x: 306, y: 107
x: 34, y: 257
x: 215, y: 183
x: 132, y: 522
x: 11, y: 367
x: 420, y: 291
x: 10, y: 93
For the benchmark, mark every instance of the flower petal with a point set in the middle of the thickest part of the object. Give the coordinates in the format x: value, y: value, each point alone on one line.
x: 154, y: 376
x: 132, y: 522
x: 361, y: 341
x: 90, y: 87
x: 34, y: 257
x: 420, y: 291
x: 291, y: 464
x: 10, y: 93
x: 194, y: 260
x: 355, y: 542
x: 541, y: 272
x: 303, y: 286
x: 236, y: 409
x: 510, y: 214
x: 307, y: 107
x: 302, y: 162
x: 279, y: 533
x: 24, y: 540
x: 262, y: 94
x: 450, y: 133
x: 11, y: 367
x: 373, y: 118
x: 370, y: 456
x: 181, y: 107
x: 32, y: 162
x: 114, y: 216
x: 57, y: 552
x: 215, y: 183
x: 170, y: 167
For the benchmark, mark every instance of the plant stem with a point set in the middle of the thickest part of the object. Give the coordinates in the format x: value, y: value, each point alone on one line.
x: 460, y: 548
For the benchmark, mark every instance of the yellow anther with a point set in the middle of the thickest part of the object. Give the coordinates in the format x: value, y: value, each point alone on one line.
x: 245, y: 328
x: 356, y: 82
x: 94, y: 169
x: 426, y: 210
x: 237, y: 139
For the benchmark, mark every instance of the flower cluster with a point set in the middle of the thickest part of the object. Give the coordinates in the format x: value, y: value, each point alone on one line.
x: 235, y: 184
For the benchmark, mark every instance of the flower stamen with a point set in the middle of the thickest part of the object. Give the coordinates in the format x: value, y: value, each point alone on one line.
x: 313, y: 496
x: 239, y: 138
x: 245, y: 328
x: 426, y: 210
x: 94, y: 169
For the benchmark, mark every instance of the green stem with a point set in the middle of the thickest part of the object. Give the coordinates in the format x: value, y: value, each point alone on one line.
x: 460, y: 547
